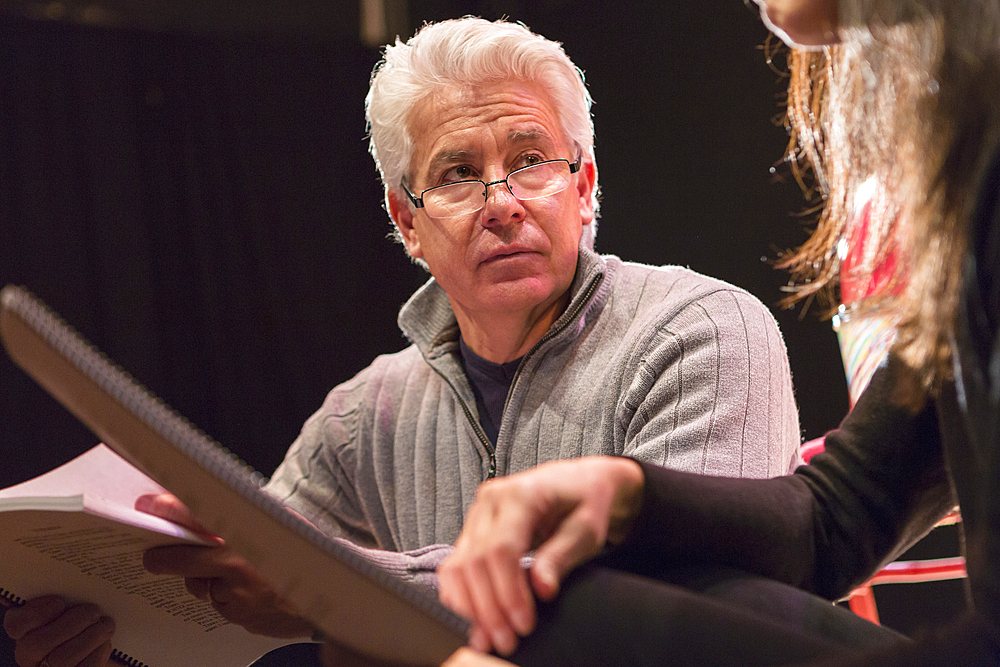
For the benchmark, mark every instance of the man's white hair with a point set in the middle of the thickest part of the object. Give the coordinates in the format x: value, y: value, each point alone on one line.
x: 468, y: 52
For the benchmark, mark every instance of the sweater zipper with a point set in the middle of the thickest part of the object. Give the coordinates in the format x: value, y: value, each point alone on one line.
x: 549, y: 335
x: 492, y: 472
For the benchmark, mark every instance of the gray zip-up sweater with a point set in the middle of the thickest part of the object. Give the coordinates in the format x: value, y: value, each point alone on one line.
x: 661, y: 364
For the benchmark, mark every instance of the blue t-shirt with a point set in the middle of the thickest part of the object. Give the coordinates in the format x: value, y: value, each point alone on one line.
x: 490, y: 385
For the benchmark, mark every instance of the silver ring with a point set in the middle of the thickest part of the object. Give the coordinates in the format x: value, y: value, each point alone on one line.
x: 43, y: 663
x: 211, y: 598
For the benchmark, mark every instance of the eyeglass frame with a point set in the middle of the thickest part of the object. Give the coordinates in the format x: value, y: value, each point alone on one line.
x: 574, y: 167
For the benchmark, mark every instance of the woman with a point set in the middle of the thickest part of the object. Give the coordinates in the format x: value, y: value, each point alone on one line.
x: 903, y: 113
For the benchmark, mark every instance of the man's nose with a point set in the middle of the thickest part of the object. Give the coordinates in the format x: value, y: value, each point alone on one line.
x: 501, y: 204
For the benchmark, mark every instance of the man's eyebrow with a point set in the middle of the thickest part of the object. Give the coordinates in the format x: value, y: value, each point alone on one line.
x: 448, y: 157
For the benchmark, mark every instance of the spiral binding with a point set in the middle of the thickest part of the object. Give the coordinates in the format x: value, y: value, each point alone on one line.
x: 209, y: 454
x: 127, y: 660
x: 8, y: 599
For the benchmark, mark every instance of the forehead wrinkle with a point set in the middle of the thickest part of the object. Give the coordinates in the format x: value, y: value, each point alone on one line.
x: 529, y: 136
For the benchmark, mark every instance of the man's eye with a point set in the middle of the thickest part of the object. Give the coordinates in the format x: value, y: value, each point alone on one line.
x: 462, y: 172
x: 530, y: 160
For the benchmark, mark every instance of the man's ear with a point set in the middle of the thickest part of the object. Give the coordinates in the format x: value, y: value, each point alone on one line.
x: 585, y: 180
x: 402, y: 216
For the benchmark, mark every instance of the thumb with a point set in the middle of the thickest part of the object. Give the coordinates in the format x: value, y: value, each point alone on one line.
x: 169, y: 507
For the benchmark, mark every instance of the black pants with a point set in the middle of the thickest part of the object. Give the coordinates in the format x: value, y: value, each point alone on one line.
x: 605, y: 618
x: 696, y: 617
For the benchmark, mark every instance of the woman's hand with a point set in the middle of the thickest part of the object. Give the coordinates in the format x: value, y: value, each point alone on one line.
x: 567, y: 510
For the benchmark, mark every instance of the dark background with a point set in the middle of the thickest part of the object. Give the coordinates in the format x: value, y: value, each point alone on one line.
x: 188, y: 185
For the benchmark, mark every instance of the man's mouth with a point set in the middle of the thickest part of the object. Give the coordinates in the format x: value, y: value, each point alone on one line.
x: 506, y: 253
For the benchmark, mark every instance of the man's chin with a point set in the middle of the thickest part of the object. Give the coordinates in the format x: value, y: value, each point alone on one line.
x: 519, y: 293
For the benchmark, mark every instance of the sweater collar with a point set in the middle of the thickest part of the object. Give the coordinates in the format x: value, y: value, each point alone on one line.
x: 427, y: 320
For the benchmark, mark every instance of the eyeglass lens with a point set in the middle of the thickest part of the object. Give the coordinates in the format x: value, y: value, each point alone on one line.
x: 534, y: 182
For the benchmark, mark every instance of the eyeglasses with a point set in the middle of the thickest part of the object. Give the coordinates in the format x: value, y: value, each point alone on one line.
x: 535, y: 181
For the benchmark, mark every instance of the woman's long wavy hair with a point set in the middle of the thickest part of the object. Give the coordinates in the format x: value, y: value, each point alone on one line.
x: 914, y: 105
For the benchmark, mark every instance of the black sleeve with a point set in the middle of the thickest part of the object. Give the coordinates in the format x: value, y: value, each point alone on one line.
x: 980, y: 309
x: 878, y: 487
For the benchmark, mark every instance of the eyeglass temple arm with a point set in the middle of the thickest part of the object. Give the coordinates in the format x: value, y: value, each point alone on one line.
x: 418, y: 202
x: 575, y: 166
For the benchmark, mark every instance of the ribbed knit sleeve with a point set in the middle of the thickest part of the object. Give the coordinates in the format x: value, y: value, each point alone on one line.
x: 712, y: 393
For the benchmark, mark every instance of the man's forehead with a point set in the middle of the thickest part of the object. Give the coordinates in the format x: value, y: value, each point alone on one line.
x: 455, y: 122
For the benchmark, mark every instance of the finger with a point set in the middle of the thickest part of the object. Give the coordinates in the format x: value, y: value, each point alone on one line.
x: 187, y: 560
x: 169, y: 507
x: 452, y: 573
x: 451, y: 589
x: 475, y: 576
x: 41, y: 641
x: 247, y: 600
x: 454, y: 594
x: 511, y: 534
x: 198, y: 587
x: 19, y: 621
x: 82, y: 648
x: 99, y: 657
x: 487, y: 610
x: 510, y: 585
x: 455, y: 579
x: 577, y: 539
x: 464, y: 657
x: 487, y: 567
x: 479, y: 639
x: 221, y: 593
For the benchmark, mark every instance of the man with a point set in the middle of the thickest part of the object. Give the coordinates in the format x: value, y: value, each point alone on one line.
x: 526, y: 345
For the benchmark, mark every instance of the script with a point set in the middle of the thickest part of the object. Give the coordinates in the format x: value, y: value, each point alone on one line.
x: 74, y: 532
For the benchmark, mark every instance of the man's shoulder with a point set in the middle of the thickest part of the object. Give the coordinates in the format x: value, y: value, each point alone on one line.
x: 668, y: 284
x: 393, y: 368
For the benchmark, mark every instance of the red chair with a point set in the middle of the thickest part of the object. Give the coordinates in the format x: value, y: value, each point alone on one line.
x: 862, y: 599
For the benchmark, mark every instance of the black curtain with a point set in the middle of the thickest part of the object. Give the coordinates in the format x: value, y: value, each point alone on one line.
x: 203, y: 209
